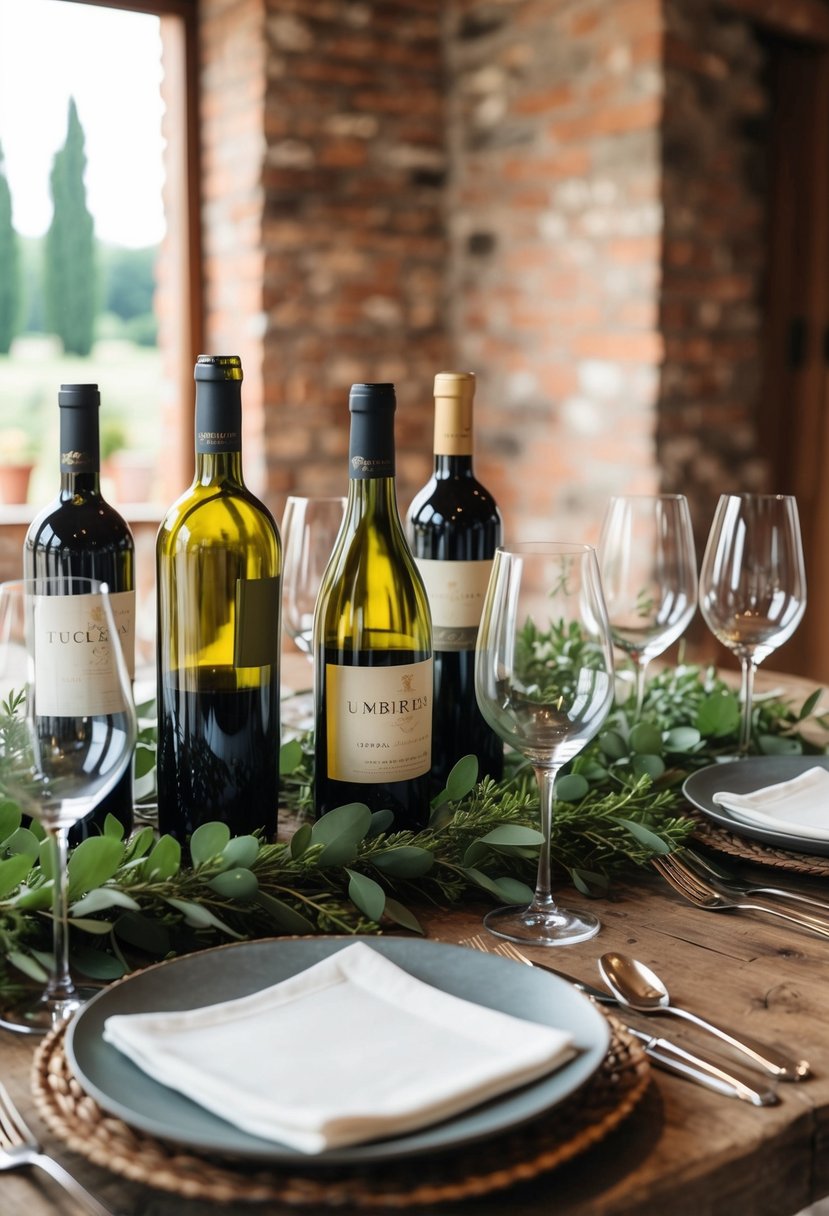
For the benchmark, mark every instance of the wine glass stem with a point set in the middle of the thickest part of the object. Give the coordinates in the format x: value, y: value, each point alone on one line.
x: 639, y: 686
x: 60, y: 986
x: 546, y: 778
x: 746, y: 698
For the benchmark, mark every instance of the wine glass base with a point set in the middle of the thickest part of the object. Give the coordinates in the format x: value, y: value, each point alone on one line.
x: 542, y: 927
x: 39, y: 1015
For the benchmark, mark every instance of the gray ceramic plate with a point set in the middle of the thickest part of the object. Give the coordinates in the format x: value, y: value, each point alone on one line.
x: 743, y: 777
x: 231, y: 971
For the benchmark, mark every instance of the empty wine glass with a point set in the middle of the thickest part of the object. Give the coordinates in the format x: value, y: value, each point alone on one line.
x: 67, y: 732
x: 544, y: 683
x: 753, y: 583
x: 649, y: 575
x: 309, y: 529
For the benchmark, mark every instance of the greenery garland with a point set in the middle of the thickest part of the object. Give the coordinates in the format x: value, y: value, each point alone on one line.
x: 619, y: 803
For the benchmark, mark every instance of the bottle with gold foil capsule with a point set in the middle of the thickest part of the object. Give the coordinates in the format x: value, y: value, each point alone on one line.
x: 218, y: 566
x: 454, y: 526
x: 373, y: 640
x: 79, y: 534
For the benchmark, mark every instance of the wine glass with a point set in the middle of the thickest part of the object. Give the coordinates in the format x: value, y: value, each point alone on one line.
x: 649, y: 575
x: 544, y: 683
x: 753, y: 583
x: 67, y: 732
x: 309, y: 529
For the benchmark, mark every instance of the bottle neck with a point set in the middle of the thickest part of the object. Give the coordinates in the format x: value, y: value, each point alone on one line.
x: 80, y: 457
x: 452, y: 466
x: 218, y: 432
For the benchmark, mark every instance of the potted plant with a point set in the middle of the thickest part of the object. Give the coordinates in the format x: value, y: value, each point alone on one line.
x: 17, y: 459
x: 131, y: 472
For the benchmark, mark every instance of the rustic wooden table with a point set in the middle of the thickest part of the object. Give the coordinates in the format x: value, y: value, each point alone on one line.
x: 683, y: 1150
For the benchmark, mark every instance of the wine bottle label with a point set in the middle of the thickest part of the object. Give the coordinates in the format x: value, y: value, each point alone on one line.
x: 77, y: 674
x: 456, y: 593
x: 256, y: 636
x: 379, y: 722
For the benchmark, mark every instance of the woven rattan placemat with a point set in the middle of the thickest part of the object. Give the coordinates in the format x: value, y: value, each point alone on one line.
x: 718, y: 838
x: 583, y: 1120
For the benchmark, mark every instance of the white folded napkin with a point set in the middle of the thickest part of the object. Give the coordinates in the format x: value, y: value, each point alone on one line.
x: 352, y: 1049
x: 799, y: 807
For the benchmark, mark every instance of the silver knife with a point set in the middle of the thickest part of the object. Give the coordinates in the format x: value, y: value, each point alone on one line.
x: 676, y: 1059
x: 672, y: 1057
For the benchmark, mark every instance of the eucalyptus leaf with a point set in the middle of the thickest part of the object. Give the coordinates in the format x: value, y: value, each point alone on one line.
x: 779, y: 745
x: 381, y: 821
x: 367, y: 894
x: 96, y: 927
x: 241, y: 851
x: 290, y: 757
x: 144, y: 761
x: 612, y: 744
x: 34, y: 899
x: 46, y: 857
x: 405, y: 861
x: 513, y: 835
x: 682, y: 739
x: 29, y: 966
x: 462, y: 778
x: 648, y: 766
x: 718, y: 715
x: 12, y: 872
x: 572, y: 787
x: 96, y: 964
x: 164, y: 861
x: 646, y: 739
x: 23, y: 840
x: 101, y: 899
x: 645, y: 836
x: 476, y: 852
x: 284, y: 916
x: 588, y: 882
x: 235, y: 884
x: 199, y: 917
x: 351, y: 821
x: 92, y: 862
x: 143, y: 932
x: 808, y: 706
x: 207, y: 842
x: 138, y: 844
x: 300, y: 840
x: 113, y: 827
x: 10, y: 819
x: 402, y: 916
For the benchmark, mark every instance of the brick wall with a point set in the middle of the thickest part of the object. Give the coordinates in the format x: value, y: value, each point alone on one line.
x: 555, y: 221
x: 715, y: 147
x: 564, y: 197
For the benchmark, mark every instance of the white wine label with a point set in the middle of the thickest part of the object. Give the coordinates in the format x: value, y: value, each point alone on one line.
x: 77, y: 674
x: 379, y: 722
x: 456, y: 593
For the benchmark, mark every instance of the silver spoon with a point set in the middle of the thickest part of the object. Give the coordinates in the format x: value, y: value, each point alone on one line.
x: 637, y: 987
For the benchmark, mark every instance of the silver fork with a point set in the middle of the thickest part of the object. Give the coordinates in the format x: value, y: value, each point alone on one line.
x: 729, y: 885
x: 704, y: 895
x: 20, y: 1147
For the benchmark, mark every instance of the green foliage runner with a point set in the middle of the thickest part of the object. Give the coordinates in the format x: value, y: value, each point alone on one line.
x: 619, y: 804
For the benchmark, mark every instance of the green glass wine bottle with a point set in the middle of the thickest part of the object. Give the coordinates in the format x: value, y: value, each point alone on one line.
x: 373, y: 639
x: 218, y: 560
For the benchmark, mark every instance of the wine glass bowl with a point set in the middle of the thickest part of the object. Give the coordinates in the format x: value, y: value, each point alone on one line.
x: 649, y: 576
x: 309, y: 528
x: 544, y: 683
x: 67, y: 732
x: 753, y: 583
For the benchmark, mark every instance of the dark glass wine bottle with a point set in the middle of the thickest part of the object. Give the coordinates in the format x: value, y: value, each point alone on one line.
x: 372, y: 640
x: 82, y: 535
x: 455, y: 527
x: 219, y: 560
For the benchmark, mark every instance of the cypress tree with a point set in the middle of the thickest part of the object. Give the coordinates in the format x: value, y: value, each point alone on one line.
x: 10, y: 274
x: 69, y: 271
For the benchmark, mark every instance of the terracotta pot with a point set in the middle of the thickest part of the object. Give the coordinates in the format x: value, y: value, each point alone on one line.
x: 14, y: 482
x: 133, y: 475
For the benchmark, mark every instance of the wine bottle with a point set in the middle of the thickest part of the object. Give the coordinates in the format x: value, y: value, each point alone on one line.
x: 372, y: 640
x: 80, y: 534
x: 218, y: 565
x: 455, y: 527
